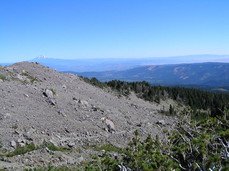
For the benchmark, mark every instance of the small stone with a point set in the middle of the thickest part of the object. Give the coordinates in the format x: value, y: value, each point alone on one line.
x: 26, y: 95
x: 71, y: 144
x: 20, y: 140
x: 13, y: 144
x: 139, y: 124
x: 80, y: 159
x: 48, y: 93
x: 45, y: 150
x: 16, y: 132
x: 52, y: 102
x: 7, y: 116
x: 83, y: 102
x: 161, y: 122
x: 94, y: 108
x: 62, y: 113
x: 110, y: 125
x: 18, y: 76
x: 70, y: 161
x: 22, y: 144
x: 67, y: 130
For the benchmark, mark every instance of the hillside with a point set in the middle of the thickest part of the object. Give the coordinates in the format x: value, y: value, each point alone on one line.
x: 40, y: 105
x: 190, y: 75
x: 56, y: 121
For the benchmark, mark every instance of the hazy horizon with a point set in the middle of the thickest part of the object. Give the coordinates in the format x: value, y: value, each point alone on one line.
x: 208, y: 58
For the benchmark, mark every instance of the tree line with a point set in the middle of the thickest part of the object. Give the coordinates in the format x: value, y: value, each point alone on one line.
x: 196, y: 99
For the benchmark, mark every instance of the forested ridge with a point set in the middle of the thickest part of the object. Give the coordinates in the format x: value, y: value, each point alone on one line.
x: 196, y: 99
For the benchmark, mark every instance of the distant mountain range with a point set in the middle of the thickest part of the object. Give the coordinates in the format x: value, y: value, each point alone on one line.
x: 89, y: 65
x: 199, y: 71
x: 189, y: 75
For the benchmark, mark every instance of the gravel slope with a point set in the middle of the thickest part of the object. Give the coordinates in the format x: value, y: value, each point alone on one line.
x: 39, y: 104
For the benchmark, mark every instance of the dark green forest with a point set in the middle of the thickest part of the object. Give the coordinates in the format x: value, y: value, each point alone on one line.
x: 196, y: 99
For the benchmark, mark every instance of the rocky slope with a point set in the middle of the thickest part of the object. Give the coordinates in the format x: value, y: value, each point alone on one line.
x: 39, y: 104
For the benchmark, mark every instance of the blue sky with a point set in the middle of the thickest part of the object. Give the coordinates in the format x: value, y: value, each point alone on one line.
x: 112, y: 28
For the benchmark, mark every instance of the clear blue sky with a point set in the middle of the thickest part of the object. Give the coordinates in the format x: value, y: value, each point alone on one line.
x: 112, y: 28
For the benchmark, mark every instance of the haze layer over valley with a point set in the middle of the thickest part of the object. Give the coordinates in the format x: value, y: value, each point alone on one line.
x: 118, y: 64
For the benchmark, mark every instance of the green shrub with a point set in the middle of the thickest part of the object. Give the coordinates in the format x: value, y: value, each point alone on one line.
x: 2, y: 77
x: 108, y: 148
x: 50, y: 168
x: 52, y: 147
x: 31, y: 147
x: 192, y: 145
x: 22, y: 150
x: 31, y: 78
x: 15, y: 126
x: 94, y: 81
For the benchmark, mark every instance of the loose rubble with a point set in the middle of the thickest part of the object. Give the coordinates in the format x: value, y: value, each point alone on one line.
x: 40, y: 105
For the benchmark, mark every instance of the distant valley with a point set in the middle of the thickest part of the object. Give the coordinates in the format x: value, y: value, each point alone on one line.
x: 121, y: 64
x: 206, y: 72
x: 209, y: 76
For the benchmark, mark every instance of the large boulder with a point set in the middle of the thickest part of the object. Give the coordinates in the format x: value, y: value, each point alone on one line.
x: 109, y: 125
x: 48, y: 93
x: 83, y: 102
x: 161, y: 122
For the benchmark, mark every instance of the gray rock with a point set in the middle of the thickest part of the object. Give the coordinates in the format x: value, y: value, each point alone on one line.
x: 71, y: 144
x: 71, y: 161
x: 21, y: 140
x: 61, y: 112
x: 139, y: 124
x: 18, y: 76
x: 94, y: 108
x: 45, y: 150
x: 13, y: 144
x: 27, y: 137
x: 7, y: 116
x: 21, y: 144
x: 67, y: 130
x: 110, y: 125
x: 48, y: 93
x: 161, y: 122
x: 83, y: 102
x: 80, y: 159
x: 52, y: 101
x: 26, y: 95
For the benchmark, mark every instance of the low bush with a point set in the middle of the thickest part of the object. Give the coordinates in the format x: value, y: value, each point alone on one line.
x: 192, y: 145
x: 2, y: 77
x: 22, y: 150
